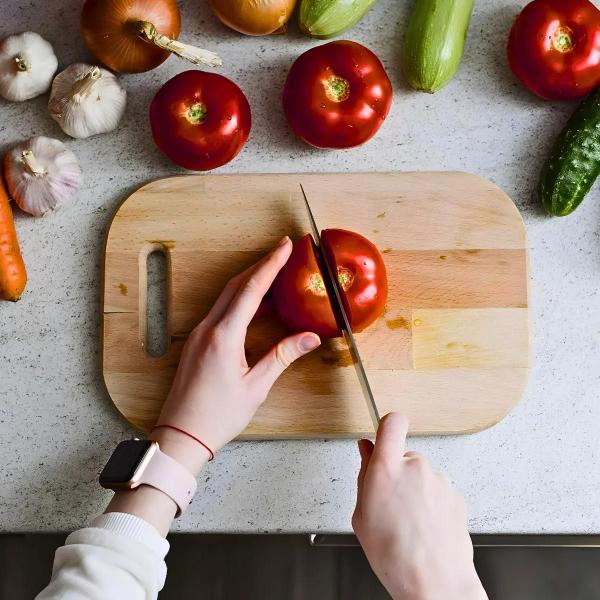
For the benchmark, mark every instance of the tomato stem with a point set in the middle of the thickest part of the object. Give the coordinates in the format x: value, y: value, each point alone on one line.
x: 337, y: 88
x: 562, y: 40
x: 196, y: 113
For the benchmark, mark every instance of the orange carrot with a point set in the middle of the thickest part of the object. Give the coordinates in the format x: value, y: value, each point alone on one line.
x: 13, y: 276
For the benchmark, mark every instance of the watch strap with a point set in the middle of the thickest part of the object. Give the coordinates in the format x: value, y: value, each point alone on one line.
x: 173, y: 479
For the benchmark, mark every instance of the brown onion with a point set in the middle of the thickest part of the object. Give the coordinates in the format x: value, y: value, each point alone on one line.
x: 132, y: 36
x: 254, y: 17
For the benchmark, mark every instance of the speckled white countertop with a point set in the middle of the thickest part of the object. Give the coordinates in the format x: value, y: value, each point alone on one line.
x: 537, y: 471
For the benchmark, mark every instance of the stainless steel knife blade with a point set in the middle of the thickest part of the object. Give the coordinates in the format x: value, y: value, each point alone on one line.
x: 335, y: 295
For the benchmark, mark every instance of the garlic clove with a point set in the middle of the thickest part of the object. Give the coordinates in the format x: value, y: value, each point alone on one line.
x: 86, y: 100
x: 41, y: 173
x: 27, y: 65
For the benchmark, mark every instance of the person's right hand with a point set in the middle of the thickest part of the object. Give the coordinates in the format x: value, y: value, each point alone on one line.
x: 411, y: 523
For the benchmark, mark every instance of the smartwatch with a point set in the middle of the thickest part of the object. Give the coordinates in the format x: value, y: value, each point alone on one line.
x: 141, y: 462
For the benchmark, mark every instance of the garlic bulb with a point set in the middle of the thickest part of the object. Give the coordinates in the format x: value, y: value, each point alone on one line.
x: 27, y: 65
x: 41, y: 173
x: 86, y: 100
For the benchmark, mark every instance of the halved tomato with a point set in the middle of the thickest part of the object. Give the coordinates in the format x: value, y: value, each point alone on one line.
x: 300, y: 295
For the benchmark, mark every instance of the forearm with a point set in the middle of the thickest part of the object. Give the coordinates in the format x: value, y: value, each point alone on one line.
x: 119, y: 556
x: 122, y: 554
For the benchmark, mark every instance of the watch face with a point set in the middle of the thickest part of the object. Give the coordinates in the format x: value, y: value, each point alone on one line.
x: 121, y: 466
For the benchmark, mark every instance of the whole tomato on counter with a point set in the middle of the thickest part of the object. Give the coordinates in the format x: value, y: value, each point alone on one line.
x: 554, y: 48
x: 300, y: 295
x: 337, y: 95
x: 200, y: 120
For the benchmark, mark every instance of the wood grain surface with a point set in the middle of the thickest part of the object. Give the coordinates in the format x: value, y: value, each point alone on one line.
x: 451, y: 349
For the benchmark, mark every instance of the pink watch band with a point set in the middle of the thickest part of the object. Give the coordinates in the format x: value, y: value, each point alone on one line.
x: 167, y: 475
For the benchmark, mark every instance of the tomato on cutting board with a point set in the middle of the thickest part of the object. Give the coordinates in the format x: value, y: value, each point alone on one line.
x: 554, y: 48
x: 337, y: 95
x: 200, y: 120
x: 299, y: 293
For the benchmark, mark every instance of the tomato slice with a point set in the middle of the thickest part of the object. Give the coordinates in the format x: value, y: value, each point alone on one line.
x: 361, y: 275
x: 299, y: 292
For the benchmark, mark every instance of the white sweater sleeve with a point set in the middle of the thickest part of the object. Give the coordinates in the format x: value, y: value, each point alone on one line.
x: 120, y: 556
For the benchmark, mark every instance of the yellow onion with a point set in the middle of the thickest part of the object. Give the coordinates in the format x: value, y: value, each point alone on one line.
x: 254, y: 17
x: 132, y: 36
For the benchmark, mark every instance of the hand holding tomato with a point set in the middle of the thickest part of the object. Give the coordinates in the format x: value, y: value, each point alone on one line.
x: 200, y: 120
x: 337, y: 95
x: 300, y: 295
x: 554, y: 48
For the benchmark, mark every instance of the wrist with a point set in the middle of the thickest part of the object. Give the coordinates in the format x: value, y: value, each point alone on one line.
x: 425, y: 586
x: 473, y: 589
x: 147, y: 503
x: 182, y: 448
x: 467, y: 588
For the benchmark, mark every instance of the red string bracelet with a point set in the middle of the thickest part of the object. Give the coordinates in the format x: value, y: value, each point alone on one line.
x: 212, y: 454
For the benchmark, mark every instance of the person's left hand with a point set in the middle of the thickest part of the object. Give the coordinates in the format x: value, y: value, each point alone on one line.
x: 215, y: 394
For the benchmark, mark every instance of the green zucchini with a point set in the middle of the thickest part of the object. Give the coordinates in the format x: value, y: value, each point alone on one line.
x: 435, y: 40
x: 574, y: 161
x: 327, y: 18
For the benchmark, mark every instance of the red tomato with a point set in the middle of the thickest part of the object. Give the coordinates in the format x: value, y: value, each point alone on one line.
x: 200, y: 120
x: 554, y: 48
x: 299, y: 293
x: 361, y: 273
x: 337, y: 95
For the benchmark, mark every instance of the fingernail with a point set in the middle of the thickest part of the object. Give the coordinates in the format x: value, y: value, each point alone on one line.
x: 309, y: 342
x: 284, y: 240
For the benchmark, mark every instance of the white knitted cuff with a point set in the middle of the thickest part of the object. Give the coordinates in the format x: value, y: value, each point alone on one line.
x: 134, y: 528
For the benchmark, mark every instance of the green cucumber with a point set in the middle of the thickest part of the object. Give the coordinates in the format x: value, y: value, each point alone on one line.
x: 435, y: 40
x: 574, y: 161
x: 327, y: 18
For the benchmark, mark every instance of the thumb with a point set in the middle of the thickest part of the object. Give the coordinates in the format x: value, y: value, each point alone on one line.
x: 266, y: 371
x: 365, y: 447
x: 391, y: 438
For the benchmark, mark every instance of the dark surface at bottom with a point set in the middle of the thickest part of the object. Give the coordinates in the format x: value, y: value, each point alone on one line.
x: 287, y: 568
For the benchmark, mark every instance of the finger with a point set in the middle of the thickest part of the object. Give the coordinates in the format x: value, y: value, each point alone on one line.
x: 226, y: 296
x: 266, y: 371
x: 391, y: 437
x: 444, y: 480
x: 365, y: 447
x: 229, y: 292
x: 246, y: 301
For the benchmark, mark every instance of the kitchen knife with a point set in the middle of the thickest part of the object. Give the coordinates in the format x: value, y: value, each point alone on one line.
x: 335, y: 295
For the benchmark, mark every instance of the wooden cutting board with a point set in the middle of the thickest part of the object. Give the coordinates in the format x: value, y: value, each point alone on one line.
x: 451, y: 350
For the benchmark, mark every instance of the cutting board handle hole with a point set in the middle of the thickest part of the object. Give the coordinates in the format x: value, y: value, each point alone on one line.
x: 157, y: 324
